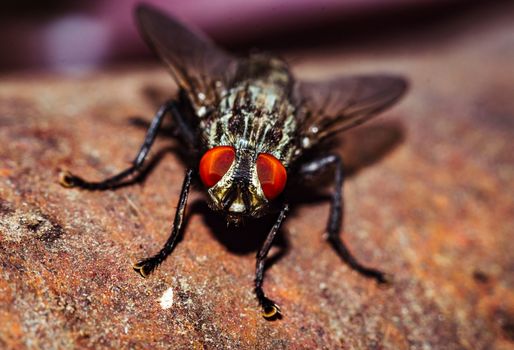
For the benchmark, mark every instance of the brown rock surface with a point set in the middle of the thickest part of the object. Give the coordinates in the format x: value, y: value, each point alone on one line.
x: 430, y: 199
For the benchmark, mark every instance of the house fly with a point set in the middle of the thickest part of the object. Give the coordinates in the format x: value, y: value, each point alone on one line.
x: 251, y: 128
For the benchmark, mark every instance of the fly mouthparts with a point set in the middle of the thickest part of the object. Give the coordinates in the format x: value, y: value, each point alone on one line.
x: 234, y: 220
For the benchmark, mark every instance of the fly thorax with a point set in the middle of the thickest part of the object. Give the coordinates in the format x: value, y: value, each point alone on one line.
x: 255, y: 116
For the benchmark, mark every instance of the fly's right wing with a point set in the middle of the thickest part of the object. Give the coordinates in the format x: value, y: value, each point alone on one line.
x: 199, y: 67
x: 333, y: 106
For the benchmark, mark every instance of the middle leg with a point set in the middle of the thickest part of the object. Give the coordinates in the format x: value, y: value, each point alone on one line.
x: 335, y: 218
x: 67, y: 179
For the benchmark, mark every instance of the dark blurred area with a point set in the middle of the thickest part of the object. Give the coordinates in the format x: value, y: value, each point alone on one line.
x: 78, y: 36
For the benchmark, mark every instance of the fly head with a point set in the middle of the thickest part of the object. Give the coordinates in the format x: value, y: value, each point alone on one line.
x: 241, y: 182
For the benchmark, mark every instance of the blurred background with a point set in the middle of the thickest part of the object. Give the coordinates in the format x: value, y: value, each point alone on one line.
x: 77, y: 36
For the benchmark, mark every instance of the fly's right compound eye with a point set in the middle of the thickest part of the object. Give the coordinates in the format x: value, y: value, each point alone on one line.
x: 215, y: 164
x: 272, y: 175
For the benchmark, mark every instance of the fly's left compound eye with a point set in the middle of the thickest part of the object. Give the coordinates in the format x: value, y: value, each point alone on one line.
x: 215, y: 164
x: 272, y: 175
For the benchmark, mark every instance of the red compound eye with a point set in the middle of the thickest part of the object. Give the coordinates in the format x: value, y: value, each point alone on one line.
x: 215, y: 163
x: 272, y: 175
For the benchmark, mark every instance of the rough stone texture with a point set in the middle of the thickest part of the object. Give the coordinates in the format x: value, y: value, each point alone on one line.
x: 430, y: 199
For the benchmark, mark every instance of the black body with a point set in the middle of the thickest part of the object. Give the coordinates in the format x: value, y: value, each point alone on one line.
x: 254, y: 105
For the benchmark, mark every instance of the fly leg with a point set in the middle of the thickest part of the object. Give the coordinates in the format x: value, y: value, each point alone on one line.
x: 335, y: 218
x: 270, y: 310
x: 146, y: 266
x: 67, y: 179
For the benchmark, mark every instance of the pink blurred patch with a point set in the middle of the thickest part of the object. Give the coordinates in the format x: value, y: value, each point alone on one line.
x: 90, y: 34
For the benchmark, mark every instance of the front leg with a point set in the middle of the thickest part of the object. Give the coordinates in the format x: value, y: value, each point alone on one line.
x: 146, y: 266
x: 67, y: 179
x: 335, y: 218
x: 270, y: 310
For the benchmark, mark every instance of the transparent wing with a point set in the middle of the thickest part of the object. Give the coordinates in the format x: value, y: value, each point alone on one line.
x: 336, y: 105
x: 197, y: 65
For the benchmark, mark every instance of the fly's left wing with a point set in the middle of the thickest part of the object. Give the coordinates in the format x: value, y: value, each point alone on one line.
x: 337, y: 105
x: 197, y: 65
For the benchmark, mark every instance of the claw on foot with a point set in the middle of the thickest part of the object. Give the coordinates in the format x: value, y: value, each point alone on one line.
x: 271, y: 311
x: 66, y: 179
x: 385, y: 279
x: 144, y: 268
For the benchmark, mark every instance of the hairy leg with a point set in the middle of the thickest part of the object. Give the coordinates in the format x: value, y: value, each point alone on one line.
x: 335, y: 218
x: 67, y: 179
x: 270, y: 309
x: 146, y: 266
